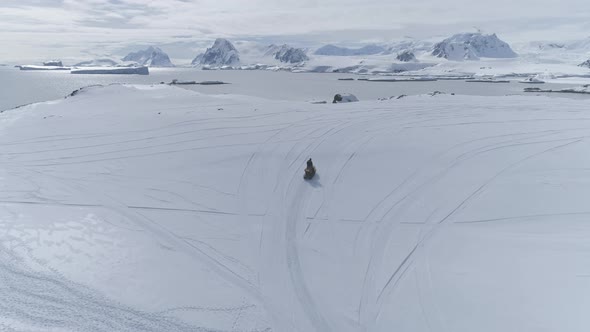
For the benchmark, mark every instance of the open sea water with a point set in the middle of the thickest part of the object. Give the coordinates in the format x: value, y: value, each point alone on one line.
x: 24, y: 87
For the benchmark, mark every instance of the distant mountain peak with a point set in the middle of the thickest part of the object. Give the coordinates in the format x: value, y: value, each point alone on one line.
x: 222, y: 53
x: 151, y: 56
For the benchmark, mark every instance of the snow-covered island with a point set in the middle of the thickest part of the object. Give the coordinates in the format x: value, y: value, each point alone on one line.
x: 155, y: 208
x: 472, y: 46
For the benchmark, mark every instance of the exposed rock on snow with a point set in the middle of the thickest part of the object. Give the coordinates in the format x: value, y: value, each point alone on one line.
x: 410, y: 66
x: 286, y: 53
x: 406, y: 45
x: 409, y: 79
x: 113, y: 70
x: 584, y: 89
x: 343, y: 51
x: 486, y: 80
x: 152, y: 57
x: 585, y: 64
x: 320, y: 69
x: 406, y: 56
x: 550, y: 46
x: 222, y: 53
x: 532, y: 80
x: 179, y: 82
x: 471, y: 46
x: 344, y: 98
x: 53, y: 63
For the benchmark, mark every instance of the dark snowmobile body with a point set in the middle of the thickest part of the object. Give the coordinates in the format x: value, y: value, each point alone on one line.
x: 309, y: 173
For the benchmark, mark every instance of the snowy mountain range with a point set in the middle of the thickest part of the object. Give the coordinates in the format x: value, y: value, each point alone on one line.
x: 489, y: 55
x: 151, y: 57
x: 472, y: 46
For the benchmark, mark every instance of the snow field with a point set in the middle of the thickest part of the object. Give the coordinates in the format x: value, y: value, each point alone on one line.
x: 138, y: 208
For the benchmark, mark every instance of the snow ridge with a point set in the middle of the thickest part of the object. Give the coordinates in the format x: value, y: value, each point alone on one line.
x: 343, y: 51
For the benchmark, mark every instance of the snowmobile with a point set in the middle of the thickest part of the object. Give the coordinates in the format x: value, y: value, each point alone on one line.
x: 309, y: 170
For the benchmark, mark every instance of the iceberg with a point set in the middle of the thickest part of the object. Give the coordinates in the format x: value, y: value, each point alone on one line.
x: 112, y: 71
x: 34, y: 67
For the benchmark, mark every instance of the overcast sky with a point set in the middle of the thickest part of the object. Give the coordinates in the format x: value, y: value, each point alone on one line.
x: 39, y: 29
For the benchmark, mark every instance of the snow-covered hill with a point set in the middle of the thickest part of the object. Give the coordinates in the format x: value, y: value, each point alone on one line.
x: 175, y: 211
x: 151, y: 57
x: 472, y: 46
x: 222, y: 53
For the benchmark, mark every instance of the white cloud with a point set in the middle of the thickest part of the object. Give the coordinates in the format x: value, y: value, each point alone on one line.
x: 33, y: 28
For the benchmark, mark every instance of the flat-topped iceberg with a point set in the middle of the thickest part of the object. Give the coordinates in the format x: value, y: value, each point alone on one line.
x: 112, y: 71
x: 36, y: 67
